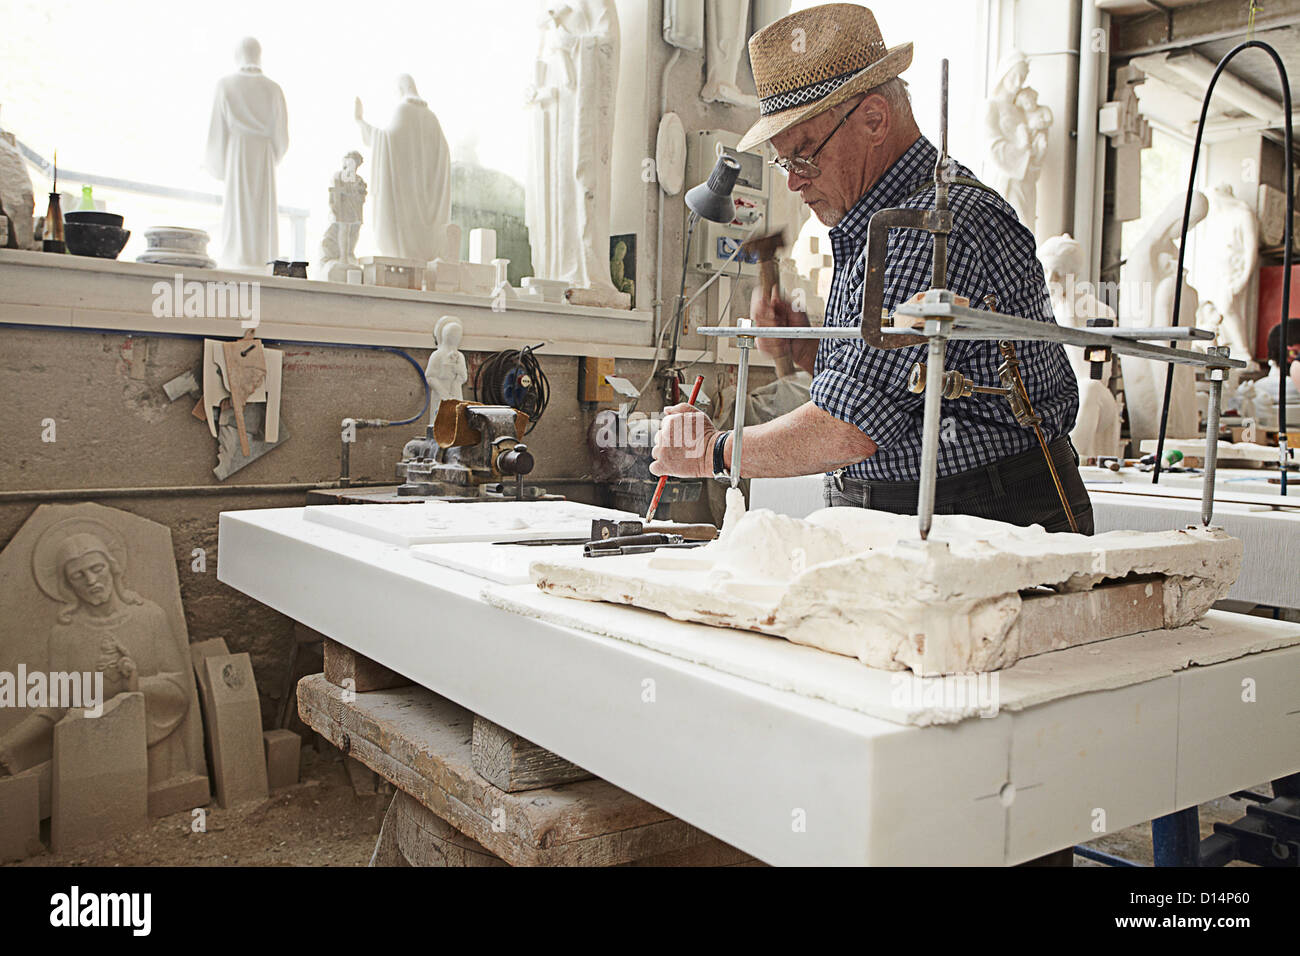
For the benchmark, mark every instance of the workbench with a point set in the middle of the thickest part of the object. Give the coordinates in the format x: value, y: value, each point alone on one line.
x: 790, y: 759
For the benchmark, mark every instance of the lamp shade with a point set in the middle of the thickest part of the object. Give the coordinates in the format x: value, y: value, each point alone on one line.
x: 712, y: 200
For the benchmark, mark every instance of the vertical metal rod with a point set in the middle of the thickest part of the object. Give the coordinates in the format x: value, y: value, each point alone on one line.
x: 744, y: 343
x: 930, y: 434
x: 1211, y: 445
x: 939, y: 266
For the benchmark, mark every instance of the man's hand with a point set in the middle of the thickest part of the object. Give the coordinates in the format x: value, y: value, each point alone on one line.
x: 684, y: 446
x: 776, y: 312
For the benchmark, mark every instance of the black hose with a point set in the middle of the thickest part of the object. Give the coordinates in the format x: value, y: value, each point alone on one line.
x: 1286, y: 253
x: 516, y: 371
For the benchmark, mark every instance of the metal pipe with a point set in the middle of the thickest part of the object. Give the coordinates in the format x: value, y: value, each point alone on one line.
x: 930, y: 434
x: 1092, y: 70
x: 939, y: 265
x: 1212, y: 436
x: 175, y: 491
x: 745, y: 344
x: 208, y: 491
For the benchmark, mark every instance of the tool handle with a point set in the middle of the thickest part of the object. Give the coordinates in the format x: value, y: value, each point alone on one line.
x: 663, y: 479
x: 769, y: 278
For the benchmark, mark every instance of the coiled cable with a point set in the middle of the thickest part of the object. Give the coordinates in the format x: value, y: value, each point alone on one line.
x: 514, y: 377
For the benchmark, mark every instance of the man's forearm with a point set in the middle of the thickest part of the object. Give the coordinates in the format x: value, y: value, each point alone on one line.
x: 805, y: 441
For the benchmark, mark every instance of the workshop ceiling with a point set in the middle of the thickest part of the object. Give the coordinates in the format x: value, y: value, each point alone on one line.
x: 1255, y: 67
x: 1128, y: 7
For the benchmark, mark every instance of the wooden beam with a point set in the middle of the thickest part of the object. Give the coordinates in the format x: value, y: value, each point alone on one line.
x: 508, y: 761
x: 356, y: 672
x: 422, y: 743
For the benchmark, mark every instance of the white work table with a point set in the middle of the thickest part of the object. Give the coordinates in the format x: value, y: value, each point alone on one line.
x: 788, y: 777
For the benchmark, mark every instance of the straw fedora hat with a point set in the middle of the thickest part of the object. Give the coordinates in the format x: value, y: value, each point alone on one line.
x: 809, y: 61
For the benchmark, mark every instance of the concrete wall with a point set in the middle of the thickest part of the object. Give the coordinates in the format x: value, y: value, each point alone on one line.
x: 114, y: 428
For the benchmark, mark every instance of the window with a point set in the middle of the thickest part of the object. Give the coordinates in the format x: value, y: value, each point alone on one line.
x: 124, y: 90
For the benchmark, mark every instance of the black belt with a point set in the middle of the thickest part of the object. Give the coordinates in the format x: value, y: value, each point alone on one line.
x: 991, y: 479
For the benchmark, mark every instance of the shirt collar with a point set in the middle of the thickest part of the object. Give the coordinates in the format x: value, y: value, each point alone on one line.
x: 910, y: 170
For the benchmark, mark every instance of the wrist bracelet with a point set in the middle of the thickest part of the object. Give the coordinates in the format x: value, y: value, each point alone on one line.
x: 719, y: 456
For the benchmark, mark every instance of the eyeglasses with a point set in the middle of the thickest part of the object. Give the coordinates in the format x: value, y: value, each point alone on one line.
x: 804, y: 166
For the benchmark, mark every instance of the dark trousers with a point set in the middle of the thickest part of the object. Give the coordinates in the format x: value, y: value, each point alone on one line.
x: 1017, y: 490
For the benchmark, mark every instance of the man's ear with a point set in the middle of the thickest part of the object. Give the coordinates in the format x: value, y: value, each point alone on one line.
x: 876, y: 118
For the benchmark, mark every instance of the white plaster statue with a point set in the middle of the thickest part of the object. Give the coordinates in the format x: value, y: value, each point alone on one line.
x: 1265, y: 397
x: 726, y: 28
x: 572, y: 104
x: 338, y: 248
x: 1121, y: 120
x: 1097, y: 426
x: 17, y: 196
x: 1243, y: 400
x: 1015, y: 131
x: 1148, y: 288
x: 446, y: 372
x: 410, y: 177
x: 247, y: 137
x: 1230, y: 246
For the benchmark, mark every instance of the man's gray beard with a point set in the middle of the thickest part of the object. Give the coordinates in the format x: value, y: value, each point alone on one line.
x: 832, y: 218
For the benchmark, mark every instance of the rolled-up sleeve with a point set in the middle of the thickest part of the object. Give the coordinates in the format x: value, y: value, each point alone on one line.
x: 868, y: 389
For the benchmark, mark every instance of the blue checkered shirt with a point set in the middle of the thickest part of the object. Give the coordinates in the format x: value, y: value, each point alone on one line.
x: 989, y: 251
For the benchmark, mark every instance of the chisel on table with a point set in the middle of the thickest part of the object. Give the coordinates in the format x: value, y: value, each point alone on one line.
x: 663, y: 479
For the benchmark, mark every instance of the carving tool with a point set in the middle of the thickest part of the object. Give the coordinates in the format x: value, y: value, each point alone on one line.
x: 604, y: 529
x: 636, y: 544
x: 663, y: 479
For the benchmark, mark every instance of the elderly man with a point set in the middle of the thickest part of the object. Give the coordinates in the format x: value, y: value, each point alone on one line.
x: 838, y: 116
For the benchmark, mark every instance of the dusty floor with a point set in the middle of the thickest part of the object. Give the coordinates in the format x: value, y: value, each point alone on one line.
x: 320, y: 822
x: 323, y: 821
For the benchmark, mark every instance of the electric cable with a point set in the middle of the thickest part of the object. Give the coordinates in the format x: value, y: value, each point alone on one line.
x: 1289, y: 160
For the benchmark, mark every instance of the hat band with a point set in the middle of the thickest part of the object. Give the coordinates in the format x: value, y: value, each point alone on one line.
x: 805, y: 94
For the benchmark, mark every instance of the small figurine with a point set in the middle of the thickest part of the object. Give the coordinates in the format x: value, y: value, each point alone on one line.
x: 338, y: 248
x: 446, y: 372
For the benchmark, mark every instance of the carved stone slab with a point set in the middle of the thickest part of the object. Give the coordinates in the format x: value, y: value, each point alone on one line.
x: 20, y: 817
x: 238, y: 757
x: 92, y: 595
x: 283, y: 756
x: 101, y: 774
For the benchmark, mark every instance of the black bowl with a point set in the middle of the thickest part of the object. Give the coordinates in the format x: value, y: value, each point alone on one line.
x: 92, y: 215
x: 93, y: 239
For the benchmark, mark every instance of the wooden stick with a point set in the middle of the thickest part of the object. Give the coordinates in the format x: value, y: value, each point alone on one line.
x: 663, y: 479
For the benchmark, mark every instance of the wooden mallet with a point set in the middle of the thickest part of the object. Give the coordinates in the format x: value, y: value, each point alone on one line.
x: 769, y: 278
